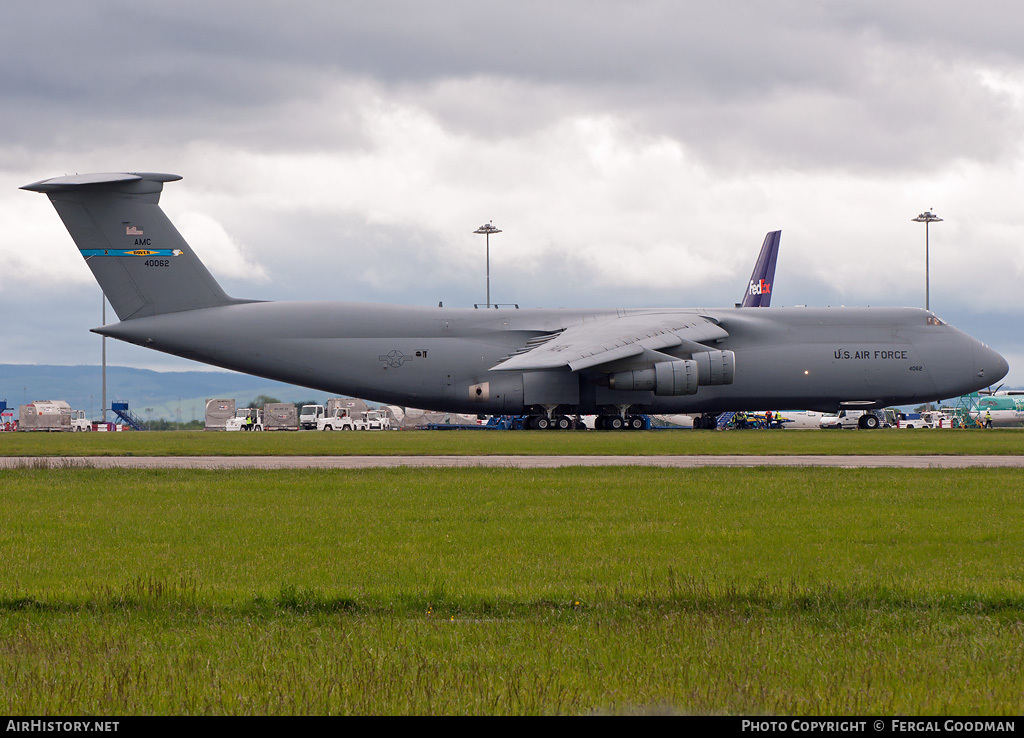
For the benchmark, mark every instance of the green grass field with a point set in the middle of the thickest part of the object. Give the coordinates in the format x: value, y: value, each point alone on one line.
x: 482, y: 591
x: 786, y: 442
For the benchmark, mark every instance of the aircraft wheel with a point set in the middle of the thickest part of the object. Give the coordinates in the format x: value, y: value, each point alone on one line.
x: 870, y: 422
x: 615, y: 422
x: 542, y: 422
x: 564, y: 423
x: 636, y: 423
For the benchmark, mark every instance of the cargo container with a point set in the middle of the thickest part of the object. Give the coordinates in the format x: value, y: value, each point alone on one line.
x: 218, y: 412
x: 280, y: 416
x: 44, y: 415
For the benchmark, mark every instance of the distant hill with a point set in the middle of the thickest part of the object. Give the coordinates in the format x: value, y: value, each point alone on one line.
x: 149, y: 394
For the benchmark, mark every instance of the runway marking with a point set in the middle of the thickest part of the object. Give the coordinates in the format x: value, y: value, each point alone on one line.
x: 510, y: 462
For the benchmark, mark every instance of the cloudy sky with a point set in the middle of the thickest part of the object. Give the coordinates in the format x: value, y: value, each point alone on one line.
x: 633, y: 153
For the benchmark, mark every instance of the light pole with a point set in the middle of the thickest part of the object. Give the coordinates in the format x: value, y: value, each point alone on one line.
x: 487, y: 229
x: 926, y: 217
x: 104, y: 344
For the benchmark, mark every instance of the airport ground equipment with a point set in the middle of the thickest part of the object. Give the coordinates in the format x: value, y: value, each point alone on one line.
x: 372, y: 420
x: 79, y: 422
x: 926, y: 419
x: 218, y: 412
x: 120, y: 409
x: 465, y: 426
x: 505, y: 422
x: 339, y: 420
x: 310, y: 415
x: 51, y: 415
x: 965, y: 413
x: 241, y: 420
x: 280, y: 416
x: 758, y: 420
x: 863, y: 419
x: 44, y: 415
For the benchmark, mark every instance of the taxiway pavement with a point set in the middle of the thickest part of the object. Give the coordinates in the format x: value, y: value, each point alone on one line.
x: 508, y: 462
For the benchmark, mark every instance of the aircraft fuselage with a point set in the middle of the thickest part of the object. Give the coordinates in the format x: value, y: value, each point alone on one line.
x: 445, y: 358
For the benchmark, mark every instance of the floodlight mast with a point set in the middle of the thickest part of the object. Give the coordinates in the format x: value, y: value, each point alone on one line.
x: 487, y: 229
x: 927, y: 217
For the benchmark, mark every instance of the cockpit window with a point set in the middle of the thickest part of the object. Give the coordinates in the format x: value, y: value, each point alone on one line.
x: 932, y: 320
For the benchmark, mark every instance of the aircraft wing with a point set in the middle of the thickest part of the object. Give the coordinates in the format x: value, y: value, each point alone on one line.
x: 603, y: 341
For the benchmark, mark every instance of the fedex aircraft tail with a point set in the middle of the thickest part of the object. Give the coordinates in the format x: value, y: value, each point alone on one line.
x: 138, y: 257
x: 759, y: 289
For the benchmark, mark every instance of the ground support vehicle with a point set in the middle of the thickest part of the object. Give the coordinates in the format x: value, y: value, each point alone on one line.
x: 241, y: 420
x: 340, y: 420
x: 372, y: 420
x: 79, y: 422
x: 863, y: 419
x: 926, y: 419
x: 309, y: 415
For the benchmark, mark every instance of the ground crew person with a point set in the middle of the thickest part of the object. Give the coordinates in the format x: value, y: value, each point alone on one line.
x: 988, y: 418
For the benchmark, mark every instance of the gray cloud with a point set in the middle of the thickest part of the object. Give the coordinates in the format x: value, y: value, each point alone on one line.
x: 788, y: 84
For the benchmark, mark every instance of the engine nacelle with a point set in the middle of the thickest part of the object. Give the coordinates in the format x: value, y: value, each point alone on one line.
x: 715, y: 367
x: 666, y: 378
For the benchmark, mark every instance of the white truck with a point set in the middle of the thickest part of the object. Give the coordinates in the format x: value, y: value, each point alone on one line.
x: 867, y: 419
x: 340, y: 420
x: 373, y: 420
x: 926, y: 419
x: 241, y: 420
x: 343, y: 419
x: 79, y: 422
x: 310, y: 416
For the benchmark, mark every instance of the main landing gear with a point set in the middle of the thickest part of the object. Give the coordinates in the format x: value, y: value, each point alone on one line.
x: 620, y: 422
x: 544, y: 422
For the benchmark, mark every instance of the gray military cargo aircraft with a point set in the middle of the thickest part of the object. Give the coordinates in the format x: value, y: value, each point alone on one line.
x: 546, y: 363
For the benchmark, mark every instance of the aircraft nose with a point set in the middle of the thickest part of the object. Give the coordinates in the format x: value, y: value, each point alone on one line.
x: 990, y: 365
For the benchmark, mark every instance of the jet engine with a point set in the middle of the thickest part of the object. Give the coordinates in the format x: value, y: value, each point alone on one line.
x: 665, y: 378
x: 715, y: 367
x: 680, y: 377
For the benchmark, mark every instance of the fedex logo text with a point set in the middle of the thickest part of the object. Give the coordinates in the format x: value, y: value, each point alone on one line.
x: 761, y: 288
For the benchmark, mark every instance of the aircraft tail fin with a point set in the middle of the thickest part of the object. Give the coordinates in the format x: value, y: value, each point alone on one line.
x: 759, y: 289
x: 138, y: 257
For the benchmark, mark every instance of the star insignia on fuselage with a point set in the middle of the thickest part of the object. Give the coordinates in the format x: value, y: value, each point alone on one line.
x: 394, y: 358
